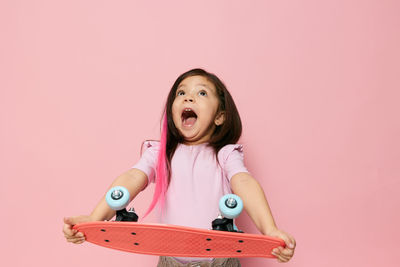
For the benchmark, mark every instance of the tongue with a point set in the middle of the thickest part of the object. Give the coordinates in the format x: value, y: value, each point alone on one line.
x: 189, y: 121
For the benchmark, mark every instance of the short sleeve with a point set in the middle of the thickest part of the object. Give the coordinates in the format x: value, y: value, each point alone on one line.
x: 148, y: 160
x: 231, y: 158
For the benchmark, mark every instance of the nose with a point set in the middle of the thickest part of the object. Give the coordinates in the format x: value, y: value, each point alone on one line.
x: 189, y: 98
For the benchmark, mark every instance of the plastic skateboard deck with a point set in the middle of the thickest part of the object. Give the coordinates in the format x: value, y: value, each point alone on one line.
x: 178, y: 241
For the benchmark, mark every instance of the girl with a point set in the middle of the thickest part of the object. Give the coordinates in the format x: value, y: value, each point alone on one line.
x: 195, y: 163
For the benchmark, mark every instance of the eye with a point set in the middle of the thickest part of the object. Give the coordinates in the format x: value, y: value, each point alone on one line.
x: 203, y: 93
x: 180, y: 93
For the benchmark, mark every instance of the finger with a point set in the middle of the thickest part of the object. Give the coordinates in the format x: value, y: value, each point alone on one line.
x: 77, y: 219
x: 75, y: 239
x: 80, y: 235
x: 67, y: 229
x: 68, y: 220
x: 284, y: 258
x: 75, y: 236
x: 287, y: 239
x: 291, y: 242
x: 281, y: 259
x: 278, y: 252
x: 73, y: 220
x: 69, y: 232
x: 79, y: 241
x: 287, y: 252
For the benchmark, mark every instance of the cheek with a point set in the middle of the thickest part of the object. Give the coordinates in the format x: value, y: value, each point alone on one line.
x: 175, y: 112
x: 207, y: 117
x: 211, y: 111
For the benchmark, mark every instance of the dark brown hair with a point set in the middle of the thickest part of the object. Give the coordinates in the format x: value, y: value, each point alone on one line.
x: 227, y: 133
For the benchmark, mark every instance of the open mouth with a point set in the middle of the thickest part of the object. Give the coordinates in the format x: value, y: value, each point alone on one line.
x: 189, y: 117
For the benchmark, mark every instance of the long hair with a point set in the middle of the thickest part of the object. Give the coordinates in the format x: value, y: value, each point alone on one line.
x: 228, y: 132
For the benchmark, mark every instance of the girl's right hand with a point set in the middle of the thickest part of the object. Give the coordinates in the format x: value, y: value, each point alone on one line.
x: 73, y: 235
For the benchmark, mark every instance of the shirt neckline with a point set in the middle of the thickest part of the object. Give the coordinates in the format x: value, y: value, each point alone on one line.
x: 193, y: 146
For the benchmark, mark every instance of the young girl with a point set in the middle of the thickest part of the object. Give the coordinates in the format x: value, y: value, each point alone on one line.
x: 196, y: 162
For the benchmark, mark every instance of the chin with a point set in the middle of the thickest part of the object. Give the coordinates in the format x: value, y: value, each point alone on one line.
x: 189, y: 138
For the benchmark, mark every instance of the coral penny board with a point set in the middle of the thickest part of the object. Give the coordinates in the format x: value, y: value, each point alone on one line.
x: 178, y: 241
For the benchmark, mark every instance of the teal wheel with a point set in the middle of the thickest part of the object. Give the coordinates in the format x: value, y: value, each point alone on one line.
x: 117, y: 198
x: 230, y: 206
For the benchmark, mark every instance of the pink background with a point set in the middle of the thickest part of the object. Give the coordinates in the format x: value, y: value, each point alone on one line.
x: 82, y: 84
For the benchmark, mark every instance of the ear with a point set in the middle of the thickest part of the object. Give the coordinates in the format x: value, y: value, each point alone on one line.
x: 220, y: 118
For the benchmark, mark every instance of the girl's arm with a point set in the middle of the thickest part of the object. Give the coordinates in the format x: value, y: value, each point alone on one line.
x: 256, y: 205
x: 254, y: 201
x: 134, y: 180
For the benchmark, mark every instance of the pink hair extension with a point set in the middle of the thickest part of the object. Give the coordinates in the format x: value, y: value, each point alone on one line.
x: 161, y: 171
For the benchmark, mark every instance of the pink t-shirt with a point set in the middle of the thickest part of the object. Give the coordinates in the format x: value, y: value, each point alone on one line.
x: 197, y: 181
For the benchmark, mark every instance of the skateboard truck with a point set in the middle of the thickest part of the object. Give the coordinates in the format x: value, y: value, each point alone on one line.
x: 126, y: 215
x: 223, y: 224
x: 230, y: 207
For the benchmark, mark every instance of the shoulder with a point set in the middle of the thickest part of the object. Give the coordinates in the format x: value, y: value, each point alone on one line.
x: 150, y: 146
x: 228, y: 150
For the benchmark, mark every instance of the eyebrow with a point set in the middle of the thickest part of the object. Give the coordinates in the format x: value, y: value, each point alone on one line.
x: 202, y: 84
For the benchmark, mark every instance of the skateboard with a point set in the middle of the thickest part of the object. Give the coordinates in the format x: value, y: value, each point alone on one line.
x: 223, y: 241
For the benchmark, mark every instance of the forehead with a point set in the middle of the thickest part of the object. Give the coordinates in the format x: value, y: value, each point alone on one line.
x: 197, y: 80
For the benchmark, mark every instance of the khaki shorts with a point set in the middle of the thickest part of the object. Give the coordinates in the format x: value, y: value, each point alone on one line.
x: 218, y: 262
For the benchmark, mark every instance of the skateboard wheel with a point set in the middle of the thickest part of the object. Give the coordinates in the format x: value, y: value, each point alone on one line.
x: 230, y: 206
x: 117, y: 198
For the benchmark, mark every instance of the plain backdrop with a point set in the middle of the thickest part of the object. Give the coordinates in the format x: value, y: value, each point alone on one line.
x: 83, y: 83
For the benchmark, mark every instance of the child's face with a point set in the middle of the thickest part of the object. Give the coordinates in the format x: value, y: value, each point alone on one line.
x: 194, y: 110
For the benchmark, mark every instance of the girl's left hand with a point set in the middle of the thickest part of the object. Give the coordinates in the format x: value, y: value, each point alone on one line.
x: 283, y: 254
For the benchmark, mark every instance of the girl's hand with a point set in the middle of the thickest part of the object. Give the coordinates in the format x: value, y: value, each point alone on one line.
x: 283, y: 254
x: 73, y: 235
